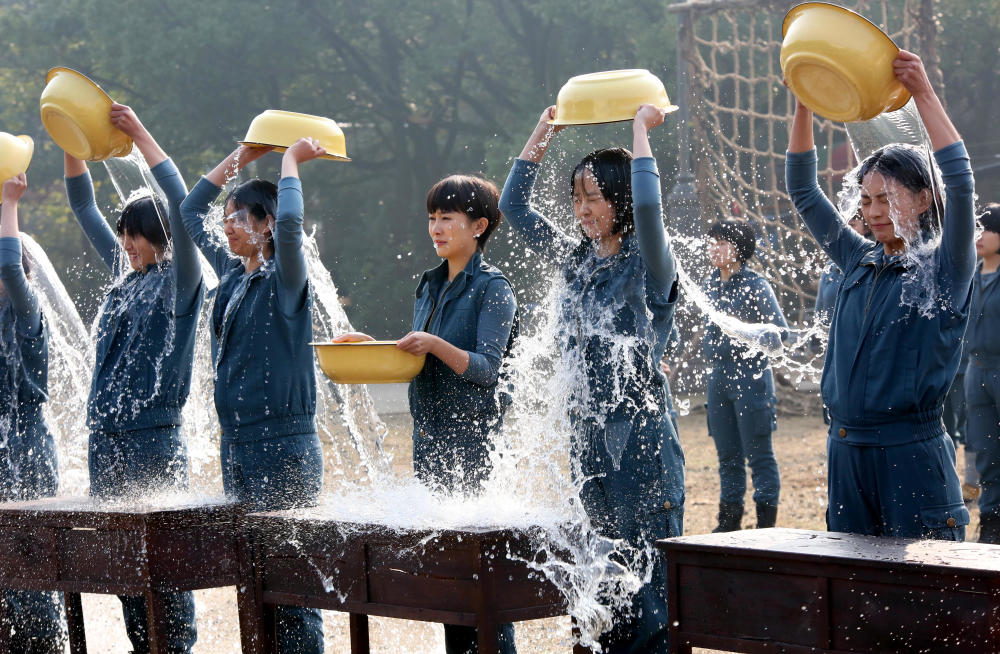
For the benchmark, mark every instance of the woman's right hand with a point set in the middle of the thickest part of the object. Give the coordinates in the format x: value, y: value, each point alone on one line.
x: 246, y: 154
x: 14, y: 188
x: 352, y: 337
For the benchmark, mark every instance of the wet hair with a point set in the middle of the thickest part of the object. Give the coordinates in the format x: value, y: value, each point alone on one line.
x: 25, y: 263
x: 908, y: 166
x: 737, y: 232
x: 990, y: 220
x: 258, y: 196
x: 612, y: 169
x: 146, y: 217
x: 474, y: 196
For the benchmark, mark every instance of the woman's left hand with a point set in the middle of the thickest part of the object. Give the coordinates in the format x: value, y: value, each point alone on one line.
x: 305, y: 149
x: 649, y: 116
x: 417, y: 343
x: 910, y: 72
x: 124, y: 118
x: 14, y: 188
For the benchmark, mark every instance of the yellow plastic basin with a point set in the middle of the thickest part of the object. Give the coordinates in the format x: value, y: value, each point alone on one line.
x: 280, y: 129
x: 368, y: 362
x: 838, y: 63
x: 76, y: 113
x: 608, y: 97
x: 15, y: 155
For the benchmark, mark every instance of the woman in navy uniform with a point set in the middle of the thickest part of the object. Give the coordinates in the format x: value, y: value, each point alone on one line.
x: 982, y: 378
x: 621, y: 285
x: 741, y: 405
x: 891, y: 467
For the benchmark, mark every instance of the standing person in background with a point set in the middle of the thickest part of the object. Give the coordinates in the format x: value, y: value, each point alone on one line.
x: 741, y: 405
x: 891, y: 465
x: 28, y: 466
x: 145, y: 348
x: 621, y: 286
x: 465, y: 320
x: 982, y: 378
x: 265, y: 384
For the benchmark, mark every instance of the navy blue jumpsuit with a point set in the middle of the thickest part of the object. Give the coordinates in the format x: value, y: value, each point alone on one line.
x: 891, y: 465
x: 265, y: 381
x: 741, y: 405
x: 625, y: 444
x: 142, y: 375
x: 982, y: 390
x: 28, y: 466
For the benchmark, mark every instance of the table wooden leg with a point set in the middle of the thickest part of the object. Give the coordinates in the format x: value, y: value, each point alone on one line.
x: 74, y: 623
x: 156, y: 622
x: 248, y: 601
x: 359, y: 634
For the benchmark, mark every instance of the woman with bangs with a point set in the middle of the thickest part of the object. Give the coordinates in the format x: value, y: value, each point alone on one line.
x: 621, y: 287
x: 145, y: 348
x: 465, y: 319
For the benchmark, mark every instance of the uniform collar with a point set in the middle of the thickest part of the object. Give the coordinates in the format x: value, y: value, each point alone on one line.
x: 439, y: 274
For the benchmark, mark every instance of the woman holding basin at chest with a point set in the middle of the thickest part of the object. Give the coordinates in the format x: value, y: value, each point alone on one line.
x: 621, y: 286
x: 889, y: 364
x: 145, y: 347
x: 265, y: 387
x: 465, y: 319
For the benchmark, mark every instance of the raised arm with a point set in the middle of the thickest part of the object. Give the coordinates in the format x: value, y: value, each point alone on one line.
x: 646, y: 206
x: 195, y: 206
x: 838, y: 240
x: 187, y: 267
x: 515, y: 201
x: 959, y: 224
x: 290, y: 259
x: 27, y: 315
x: 80, y: 191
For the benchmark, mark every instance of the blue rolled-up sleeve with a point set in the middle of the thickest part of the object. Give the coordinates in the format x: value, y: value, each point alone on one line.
x: 496, y: 320
x: 27, y: 314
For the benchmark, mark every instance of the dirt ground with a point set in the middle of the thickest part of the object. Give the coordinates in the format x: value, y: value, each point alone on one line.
x: 799, y: 444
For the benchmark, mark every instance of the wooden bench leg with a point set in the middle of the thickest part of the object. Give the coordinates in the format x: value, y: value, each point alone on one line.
x: 74, y: 623
x: 156, y: 622
x: 248, y: 601
x: 359, y: 634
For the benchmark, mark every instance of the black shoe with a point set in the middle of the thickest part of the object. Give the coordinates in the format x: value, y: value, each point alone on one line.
x: 989, y: 528
x: 767, y: 515
x: 730, y: 517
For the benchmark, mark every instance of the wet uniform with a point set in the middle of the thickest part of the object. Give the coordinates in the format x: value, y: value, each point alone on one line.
x: 982, y: 390
x: 826, y: 292
x: 265, y: 384
x: 741, y: 406
x: 453, y: 414
x: 891, y: 468
x: 142, y: 376
x: 29, y: 468
x: 624, y: 443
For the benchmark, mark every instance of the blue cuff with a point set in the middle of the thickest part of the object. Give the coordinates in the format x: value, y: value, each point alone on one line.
x: 645, y: 165
x: 479, y: 371
x: 289, y: 183
x: 10, y: 251
x: 165, y: 168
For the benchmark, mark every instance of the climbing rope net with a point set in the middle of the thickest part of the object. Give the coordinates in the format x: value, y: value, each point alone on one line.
x: 740, y: 115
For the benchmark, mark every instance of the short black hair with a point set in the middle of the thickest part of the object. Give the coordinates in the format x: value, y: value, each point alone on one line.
x: 474, y: 196
x: 258, y: 196
x: 25, y: 262
x: 146, y: 217
x: 908, y: 165
x: 612, y: 169
x: 990, y: 219
x: 737, y: 232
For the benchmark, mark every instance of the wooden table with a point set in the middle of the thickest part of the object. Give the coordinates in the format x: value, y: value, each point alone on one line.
x: 80, y: 545
x: 791, y: 590
x: 468, y: 578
